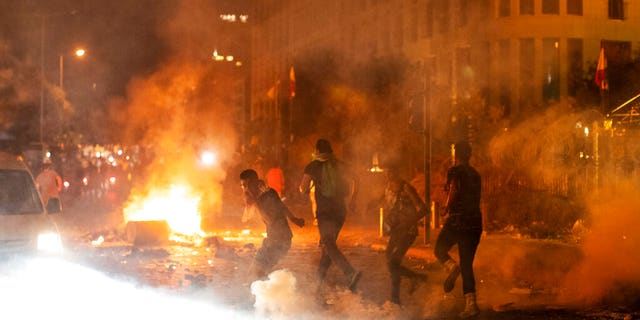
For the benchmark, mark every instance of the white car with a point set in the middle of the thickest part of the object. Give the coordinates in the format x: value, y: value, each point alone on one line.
x: 25, y: 224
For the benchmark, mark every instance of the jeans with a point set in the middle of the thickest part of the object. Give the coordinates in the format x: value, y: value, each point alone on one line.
x: 329, y: 230
x: 400, y: 241
x: 269, y: 254
x: 467, y: 241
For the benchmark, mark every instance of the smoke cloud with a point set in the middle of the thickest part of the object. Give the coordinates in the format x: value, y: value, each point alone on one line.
x: 279, y: 298
x: 556, y: 152
x: 181, y: 109
x: 610, y: 269
x: 52, y: 288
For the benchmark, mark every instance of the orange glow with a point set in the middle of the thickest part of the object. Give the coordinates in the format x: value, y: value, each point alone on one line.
x: 177, y: 205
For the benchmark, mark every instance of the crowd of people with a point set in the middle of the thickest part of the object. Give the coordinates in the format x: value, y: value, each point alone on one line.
x: 334, y: 187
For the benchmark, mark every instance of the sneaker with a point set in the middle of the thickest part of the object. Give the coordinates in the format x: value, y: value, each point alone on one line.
x: 471, y: 308
x: 353, y: 280
x: 450, y: 282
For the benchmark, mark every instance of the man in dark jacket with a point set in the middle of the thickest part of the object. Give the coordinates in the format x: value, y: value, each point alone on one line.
x: 274, y: 214
x: 328, y: 176
x: 463, y: 226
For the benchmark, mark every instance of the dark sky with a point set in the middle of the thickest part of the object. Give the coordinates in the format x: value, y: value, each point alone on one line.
x: 121, y: 37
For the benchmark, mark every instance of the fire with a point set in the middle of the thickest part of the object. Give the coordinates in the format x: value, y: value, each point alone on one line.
x: 177, y: 205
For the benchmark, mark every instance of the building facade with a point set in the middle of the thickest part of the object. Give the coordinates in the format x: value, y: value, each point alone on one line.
x: 517, y: 55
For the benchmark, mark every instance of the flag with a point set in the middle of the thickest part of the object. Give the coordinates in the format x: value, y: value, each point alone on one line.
x: 292, y: 83
x: 601, y: 76
x: 273, y: 90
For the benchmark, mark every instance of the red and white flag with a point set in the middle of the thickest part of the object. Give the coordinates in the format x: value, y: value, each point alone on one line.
x: 292, y: 83
x: 601, y: 76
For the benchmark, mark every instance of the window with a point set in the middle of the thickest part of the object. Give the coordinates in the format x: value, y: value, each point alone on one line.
x: 551, y: 71
x: 527, y: 64
x: 574, y: 7
x: 616, y: 9
x: 550, y: 6
x: 413, y: 22
x: 463, y: 9
x: 443, y: 15
x: 18, y: 194
x: 574, y: 59
x: 526, y: 7
x: 427, y: 20
x: 505, y: 8
x: 527, y: 58
x: 505, y: 80
x: 617, y: 52
x: 484, y: 10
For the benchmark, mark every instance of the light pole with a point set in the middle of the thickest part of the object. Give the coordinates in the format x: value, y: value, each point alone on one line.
x: 43, y: 18
x: 79, y: 53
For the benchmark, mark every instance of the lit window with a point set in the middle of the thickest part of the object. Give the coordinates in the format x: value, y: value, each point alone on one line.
x: 551, y: 64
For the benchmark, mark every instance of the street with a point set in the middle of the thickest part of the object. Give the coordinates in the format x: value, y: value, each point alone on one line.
x: 102, y: 270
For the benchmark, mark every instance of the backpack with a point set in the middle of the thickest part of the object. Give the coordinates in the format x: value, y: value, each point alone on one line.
x: 332, y: 183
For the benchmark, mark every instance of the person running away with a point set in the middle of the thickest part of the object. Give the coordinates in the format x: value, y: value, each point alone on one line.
x: 328, y: 176
x: 403, y: 210
x: 274, y: 214
x: 462, y: 226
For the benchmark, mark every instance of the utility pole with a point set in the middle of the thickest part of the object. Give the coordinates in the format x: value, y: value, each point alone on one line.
x: 426, y: 125
x: 43, y: 18
x: 42, y: 21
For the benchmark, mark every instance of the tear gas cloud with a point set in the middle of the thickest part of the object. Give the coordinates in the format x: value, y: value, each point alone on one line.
x: 605, y: 265
x: 610, y: 269
x: 50, y: 288
x: 279, y: 298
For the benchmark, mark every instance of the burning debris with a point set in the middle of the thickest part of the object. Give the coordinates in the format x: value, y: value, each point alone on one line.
x: 148, y: 233
x: 177, y: 205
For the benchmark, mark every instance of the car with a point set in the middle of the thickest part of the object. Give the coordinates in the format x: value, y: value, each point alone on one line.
x: 26, y: 224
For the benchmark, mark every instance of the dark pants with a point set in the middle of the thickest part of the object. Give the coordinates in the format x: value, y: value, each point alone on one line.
x: 269, y: 254
x: 400, y: 241
x: 467, y: 241
x: 329, y: 230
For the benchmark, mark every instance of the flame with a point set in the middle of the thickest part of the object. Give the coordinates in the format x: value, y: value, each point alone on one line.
x: 177, y: 205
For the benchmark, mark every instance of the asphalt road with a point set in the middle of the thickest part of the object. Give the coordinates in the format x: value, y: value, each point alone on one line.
x: 516, y: 278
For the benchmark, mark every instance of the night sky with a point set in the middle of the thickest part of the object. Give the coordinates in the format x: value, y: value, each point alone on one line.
x: 121, y: 37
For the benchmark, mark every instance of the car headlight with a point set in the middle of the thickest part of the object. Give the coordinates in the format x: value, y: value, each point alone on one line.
x: 49, y: 242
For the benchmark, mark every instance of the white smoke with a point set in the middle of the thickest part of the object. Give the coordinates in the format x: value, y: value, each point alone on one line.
x: 278, y: 297
x: 55, y: 289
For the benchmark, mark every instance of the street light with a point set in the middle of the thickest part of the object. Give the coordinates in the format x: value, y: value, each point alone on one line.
x: 79, y: 53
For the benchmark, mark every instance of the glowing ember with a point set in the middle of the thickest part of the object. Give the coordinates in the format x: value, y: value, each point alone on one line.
x: 246, y: 235
x: 175, y: 205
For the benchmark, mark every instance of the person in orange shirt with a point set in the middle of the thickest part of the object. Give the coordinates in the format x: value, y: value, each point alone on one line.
x: 275, y: 179
x: 48, y: 182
